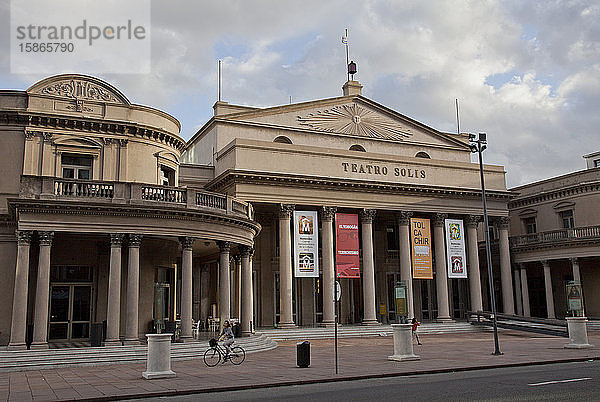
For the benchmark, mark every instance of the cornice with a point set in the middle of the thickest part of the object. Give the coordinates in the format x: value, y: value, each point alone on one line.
x: 577, y: 189
x: 228, y: 178
x: 41, y: 122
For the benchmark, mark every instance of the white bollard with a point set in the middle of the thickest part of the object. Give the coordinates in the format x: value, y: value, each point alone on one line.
x: 403, y: 347
x: 577, y: 333
x: 159, y: 357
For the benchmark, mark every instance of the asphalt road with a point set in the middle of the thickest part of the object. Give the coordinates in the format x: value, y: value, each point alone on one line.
x: 563, y: 381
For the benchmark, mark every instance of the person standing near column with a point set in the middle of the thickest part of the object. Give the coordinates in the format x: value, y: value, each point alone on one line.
x: 368, y: 280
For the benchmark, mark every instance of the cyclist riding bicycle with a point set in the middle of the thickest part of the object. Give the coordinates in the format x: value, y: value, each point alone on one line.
x: 227, y: 337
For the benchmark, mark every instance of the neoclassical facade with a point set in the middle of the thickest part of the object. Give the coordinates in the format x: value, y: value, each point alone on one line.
x: 96, y: 227
x: 555, y: 239
x: 349, y: 154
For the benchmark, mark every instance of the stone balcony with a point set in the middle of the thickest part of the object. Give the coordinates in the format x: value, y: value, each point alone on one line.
x: 129, y: 193
x: 557, y: 238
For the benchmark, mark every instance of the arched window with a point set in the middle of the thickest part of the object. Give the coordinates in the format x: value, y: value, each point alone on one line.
x: 282, y: 139
x: 357, y: 147
x: 422, y: 155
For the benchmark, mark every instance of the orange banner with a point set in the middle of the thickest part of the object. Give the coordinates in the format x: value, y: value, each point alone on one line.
x: 421, y: 248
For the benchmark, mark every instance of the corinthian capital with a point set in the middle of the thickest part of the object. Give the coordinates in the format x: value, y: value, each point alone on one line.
x: 327, y: 213
x: 438, y: 219
x: 285, y: 211
x: 367, y: 215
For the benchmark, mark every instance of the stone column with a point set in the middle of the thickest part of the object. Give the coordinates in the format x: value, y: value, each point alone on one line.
x: 224, y: 288
x: 577, y: 278
x: 403, y: 219
x: 525, y: 292
x: 18, y: 322
x: 237, y: 287
x: 133, y: 290
x: 505, y: 271
x: 327, y: 218
x: 186, y: 288
x: 246, y: 296
x: 518, y: 293
x: 113, y: 309
x: 42, y: 293
x: 548, y: 285
x: 285, y: 267
x: 441, y: 270
x: 472, y: 221
x: 251, y: 264
x: 370, y: 314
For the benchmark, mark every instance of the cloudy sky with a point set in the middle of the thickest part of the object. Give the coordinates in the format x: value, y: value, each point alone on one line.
x: 525, y: 72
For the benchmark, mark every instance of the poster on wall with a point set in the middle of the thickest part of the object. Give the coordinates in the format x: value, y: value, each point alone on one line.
x: 306, y: 244
x: 420, y: 238
x: 455, y: 248
x: 347, y: 262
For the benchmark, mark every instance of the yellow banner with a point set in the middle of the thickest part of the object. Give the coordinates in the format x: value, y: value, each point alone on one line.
x: 421, y: 248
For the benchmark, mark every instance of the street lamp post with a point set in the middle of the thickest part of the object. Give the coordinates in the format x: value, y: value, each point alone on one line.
x: 478, y: 144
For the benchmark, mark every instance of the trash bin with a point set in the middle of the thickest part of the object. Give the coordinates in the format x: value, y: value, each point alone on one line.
x: 303, y: 354
x: 237, y: 330
x: 96, y: 334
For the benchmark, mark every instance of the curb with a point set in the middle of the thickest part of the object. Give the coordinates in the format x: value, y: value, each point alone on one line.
x: 336, y: 379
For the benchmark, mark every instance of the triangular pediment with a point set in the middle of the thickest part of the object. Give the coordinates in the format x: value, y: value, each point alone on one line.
x: 354, y: 116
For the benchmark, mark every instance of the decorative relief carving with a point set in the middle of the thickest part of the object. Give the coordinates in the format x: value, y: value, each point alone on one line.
x: 116, y: 239
x: 438, y: 219
x: 187, y: 242
x: 355, y: 120
x: 327, y: 213
x: 285, y: 211
x: 45, y: 238
x: 79, y: 89
x: 367, y: 215
x: 23, y: 237
x: 503, y: 222
x: 135, y: 240
x: 244, y: 251
x: 224, y: 246
x: 403, y: 218
x: 472, y: 221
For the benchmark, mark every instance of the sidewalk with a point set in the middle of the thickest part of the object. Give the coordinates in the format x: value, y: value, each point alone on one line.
x: 358, y: 358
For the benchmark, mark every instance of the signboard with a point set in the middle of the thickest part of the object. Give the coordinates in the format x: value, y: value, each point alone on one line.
x: 456, y: 257
x: 347, y: 263
x: 422, y: 266
x: 306, y: 244
x: 400, y: 297
x: 574, y: 302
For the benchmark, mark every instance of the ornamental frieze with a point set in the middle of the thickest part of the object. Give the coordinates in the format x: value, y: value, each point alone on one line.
x: 355, y: 120
x: 79, y: 89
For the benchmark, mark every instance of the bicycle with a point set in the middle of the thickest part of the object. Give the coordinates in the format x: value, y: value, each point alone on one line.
x: 216, y: 353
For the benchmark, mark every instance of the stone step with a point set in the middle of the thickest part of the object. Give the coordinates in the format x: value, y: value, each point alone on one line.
x: 52, y: 358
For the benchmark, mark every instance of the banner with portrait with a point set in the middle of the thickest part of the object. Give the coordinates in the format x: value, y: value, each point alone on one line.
x: 455, y: 248
x: 306, y: 244
x: 420, y: 238
x: 347, y: 262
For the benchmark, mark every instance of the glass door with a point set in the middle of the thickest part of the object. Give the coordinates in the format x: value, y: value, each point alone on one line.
x: 70, y: 312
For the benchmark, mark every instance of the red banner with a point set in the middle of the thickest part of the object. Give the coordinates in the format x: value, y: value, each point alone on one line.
x: 347, y: 262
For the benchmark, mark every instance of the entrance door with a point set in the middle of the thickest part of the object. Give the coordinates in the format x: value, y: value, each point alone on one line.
x: 70, y: 312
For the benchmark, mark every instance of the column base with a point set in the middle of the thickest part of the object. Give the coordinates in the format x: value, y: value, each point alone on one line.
x: 246, y: 334
x: 371, y: 323
x: 152, y: 375
x: 327, y: 324
x: 16, y: 346
x: 286, y: 325
x: 132, y: 342
x: 187, y: 339
x: 578, y: 346
x: 39, y: 346
x: 403, y: 358
x: 444, y: 320
x: 113, y: 342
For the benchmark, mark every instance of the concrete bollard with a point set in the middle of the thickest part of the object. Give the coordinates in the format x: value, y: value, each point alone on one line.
x: 577, y: 333
x: 159, y: 357
x: 403, y: 347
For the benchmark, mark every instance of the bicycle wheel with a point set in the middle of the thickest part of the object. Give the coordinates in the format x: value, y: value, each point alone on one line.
x: 237, y: 355
x: 212, y: 357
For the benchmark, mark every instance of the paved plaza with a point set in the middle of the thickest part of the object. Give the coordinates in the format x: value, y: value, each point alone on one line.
x: 358, y: 358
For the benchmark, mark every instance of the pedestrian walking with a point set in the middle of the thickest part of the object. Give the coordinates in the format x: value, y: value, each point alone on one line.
x: 415, y: 325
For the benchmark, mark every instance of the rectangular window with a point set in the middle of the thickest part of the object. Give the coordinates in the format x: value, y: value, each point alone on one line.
x: 567, y: 220
x: 167, y: 176
x: 530, y: 226
x: 76, y: 166
x: 392, y: 238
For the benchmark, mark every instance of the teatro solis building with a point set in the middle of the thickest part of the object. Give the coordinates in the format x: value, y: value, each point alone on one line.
x: 386, y: 196
x: 95, y: 225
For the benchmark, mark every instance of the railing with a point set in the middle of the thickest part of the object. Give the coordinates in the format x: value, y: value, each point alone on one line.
x: 87, y: 189
x: 571, y: 234
x: 211, y: 200
x: 164, y: 194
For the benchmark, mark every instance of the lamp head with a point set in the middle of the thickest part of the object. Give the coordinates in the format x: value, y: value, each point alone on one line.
x: 483, y: 138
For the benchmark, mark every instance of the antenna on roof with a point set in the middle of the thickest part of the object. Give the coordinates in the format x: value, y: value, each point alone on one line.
x: 219, y: 79
x: 457, y: 119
